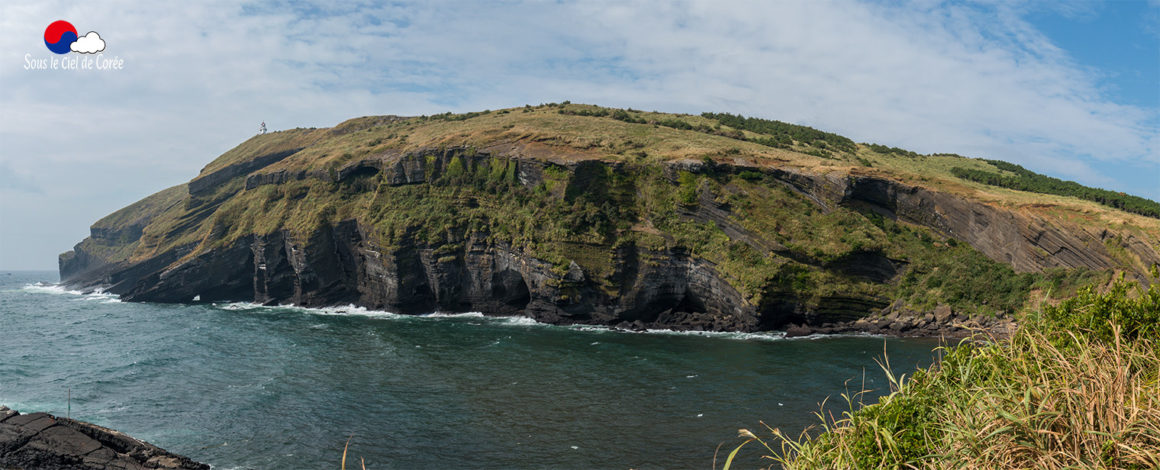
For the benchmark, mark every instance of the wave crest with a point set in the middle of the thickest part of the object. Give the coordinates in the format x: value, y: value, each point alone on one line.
x: 57, y: 289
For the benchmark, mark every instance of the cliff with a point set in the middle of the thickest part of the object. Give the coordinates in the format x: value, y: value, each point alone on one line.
x: 574, y: 213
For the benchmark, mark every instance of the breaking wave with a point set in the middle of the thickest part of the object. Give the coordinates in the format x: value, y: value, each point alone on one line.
x: 521, y: 321
x: 57, y: 289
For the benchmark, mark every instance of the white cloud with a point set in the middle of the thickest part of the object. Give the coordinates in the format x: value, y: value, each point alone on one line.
x: 90, y: 43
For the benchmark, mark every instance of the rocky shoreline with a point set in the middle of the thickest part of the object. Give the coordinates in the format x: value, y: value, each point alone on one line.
x: 40, y: 440
x: 897, y: 320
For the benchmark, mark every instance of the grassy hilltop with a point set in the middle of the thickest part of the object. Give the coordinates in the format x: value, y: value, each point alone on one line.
x: 776, y: 208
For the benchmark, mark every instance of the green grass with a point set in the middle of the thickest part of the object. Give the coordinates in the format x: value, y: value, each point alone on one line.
x: 1076, y: 386
x: 597, y: 208
x: 265, y: 144
x: 605, y: 186
x: 1019, y: 178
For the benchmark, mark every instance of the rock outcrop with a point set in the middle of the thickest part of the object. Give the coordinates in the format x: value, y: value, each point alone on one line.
x: 343, y: 265
x: 896, y: 320
x: 42, y: 441
x: 610, y: 278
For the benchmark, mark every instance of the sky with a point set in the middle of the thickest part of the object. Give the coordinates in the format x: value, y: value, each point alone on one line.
x: 1066, y: 88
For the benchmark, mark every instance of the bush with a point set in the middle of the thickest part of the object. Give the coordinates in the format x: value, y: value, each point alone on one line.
x: 675, y: 124
x: 622, y: 115
x: 783, y: 133
x: 687, y: 193
x: 1135, y: 311
x: 1076, y: 386
x: 1026, y: 180
x: 750, y: 175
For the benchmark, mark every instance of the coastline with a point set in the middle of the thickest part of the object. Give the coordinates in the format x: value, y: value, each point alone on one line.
x: 897, y: 321
x: 894, y: 320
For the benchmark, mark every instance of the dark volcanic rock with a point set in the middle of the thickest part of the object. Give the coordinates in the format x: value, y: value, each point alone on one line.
x: 40, y: 440
x: 206, y: 183
x: 1026, y: 242
x: 344, y: 262
x: 891, y: 321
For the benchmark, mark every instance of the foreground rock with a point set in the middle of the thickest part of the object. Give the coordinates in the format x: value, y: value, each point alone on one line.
x: 40, y: 440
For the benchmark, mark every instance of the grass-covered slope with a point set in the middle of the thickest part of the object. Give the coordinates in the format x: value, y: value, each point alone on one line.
x: 787, y: 215
x: 1025, y: 180
x: 1076, y: 386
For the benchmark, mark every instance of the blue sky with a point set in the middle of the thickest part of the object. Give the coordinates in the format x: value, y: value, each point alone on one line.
x: 1070, y: 89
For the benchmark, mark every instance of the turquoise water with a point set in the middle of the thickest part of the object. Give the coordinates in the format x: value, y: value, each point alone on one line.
x: 244, y: 386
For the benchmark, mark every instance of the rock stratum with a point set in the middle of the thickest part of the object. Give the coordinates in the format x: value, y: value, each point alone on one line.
x: 581, y: 214
x: 42, y: 441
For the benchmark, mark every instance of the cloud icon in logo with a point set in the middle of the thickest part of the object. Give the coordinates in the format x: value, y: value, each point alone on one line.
x: 90, y: 43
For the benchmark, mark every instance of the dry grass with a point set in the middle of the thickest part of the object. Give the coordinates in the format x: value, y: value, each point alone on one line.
x: 1053, y: 396
x: 1082, y: 404
x: 362, y: 462
x: 543, y: 132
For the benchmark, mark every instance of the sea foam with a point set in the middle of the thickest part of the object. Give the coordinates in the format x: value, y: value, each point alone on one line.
x: 522, y: 321
x: 57, y: 289
x: 46, y: 288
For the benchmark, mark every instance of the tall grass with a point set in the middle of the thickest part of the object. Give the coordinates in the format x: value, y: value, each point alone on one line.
x: 1076, y: 386
x: 362, y: 462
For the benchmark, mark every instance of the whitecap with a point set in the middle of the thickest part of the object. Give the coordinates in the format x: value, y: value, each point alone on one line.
x: 760, y: 336
x: 591, y: 328
x: 453, y: 315
x: 352, y: 310
x: 46, y: 288
x: 515, y: 320
x: 817, y: 336
x: 238, y: 306
x: 519, y: 321
x: 340, y: 310
x: 97, y: 294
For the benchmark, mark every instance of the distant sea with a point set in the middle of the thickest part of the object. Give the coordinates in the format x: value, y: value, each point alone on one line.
x: 238, y: 385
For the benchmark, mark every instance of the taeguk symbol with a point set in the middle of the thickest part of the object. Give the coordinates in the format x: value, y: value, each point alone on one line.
x: 59, y: 36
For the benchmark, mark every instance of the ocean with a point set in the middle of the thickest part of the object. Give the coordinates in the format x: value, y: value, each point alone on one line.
x: 239, y: 385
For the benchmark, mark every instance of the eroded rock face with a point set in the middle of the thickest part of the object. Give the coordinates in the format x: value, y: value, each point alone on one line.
x: 42, y: 441
x: 206, y: 183
x: 1026, y: 242
x: 342, y: 265
x: 670, y: 288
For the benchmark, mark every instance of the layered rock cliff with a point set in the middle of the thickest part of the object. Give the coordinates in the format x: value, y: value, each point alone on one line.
x: 532, y: 213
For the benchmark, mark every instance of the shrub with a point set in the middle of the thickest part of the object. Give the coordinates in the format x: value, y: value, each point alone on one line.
x: 750, y: 175
x: 782, y: 131
x: 1076, y: 386
x: 1026, y: 180
x: 1135, y: 311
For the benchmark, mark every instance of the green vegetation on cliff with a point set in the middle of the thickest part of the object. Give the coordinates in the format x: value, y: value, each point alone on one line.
x: 581, y: 215
x: 781, y: 134
x: 1027, y: 180
x: 1076, y: 386
x: 791, y: 217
